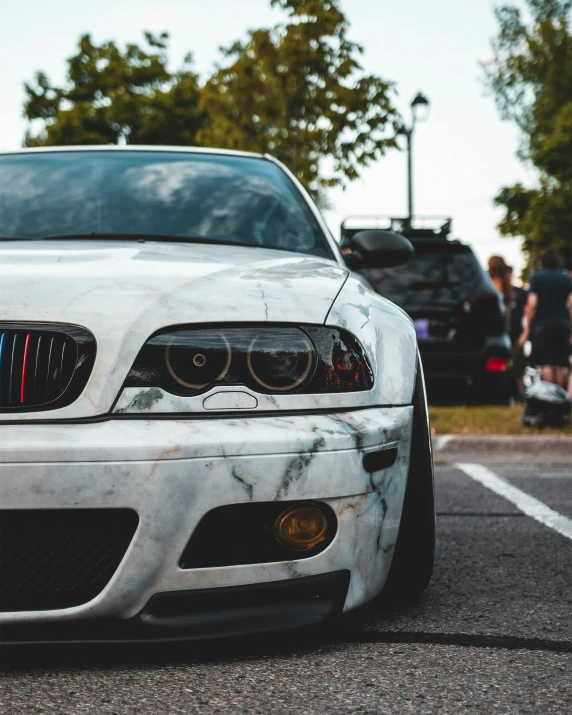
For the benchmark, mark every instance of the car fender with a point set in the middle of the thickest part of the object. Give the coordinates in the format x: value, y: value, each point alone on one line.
x: 387, y: 335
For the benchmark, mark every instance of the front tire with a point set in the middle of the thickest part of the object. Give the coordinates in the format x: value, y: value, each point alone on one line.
x: 414, y: 554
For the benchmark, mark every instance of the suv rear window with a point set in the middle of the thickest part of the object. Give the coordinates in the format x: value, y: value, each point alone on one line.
x: 437, y: 273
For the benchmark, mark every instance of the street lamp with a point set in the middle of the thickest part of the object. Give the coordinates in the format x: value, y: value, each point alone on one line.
x: 419, y: 113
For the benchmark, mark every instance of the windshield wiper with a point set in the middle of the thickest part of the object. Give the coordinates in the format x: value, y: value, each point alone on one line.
x: 141, y: 238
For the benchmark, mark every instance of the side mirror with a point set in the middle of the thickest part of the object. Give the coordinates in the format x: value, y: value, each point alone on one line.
x: 378, y: 249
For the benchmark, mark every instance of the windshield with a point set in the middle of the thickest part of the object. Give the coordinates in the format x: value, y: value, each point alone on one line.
x: 243, y: 200
x: 435, y: 274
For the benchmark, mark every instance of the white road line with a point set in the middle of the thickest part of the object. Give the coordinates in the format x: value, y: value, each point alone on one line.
x: 527, y: 504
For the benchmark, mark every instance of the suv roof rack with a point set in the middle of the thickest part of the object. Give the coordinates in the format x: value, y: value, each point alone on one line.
x: 435, y: 227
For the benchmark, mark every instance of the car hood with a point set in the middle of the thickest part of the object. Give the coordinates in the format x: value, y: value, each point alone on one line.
x: 125, y: 291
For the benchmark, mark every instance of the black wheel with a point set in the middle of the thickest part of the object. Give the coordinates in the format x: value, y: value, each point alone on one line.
x: 412, y: 564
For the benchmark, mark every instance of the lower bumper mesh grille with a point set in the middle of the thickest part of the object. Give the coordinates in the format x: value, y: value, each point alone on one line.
x: 51, y: 559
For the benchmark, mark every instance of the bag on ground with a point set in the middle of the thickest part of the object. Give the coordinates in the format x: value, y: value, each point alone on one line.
x: 546, y: 405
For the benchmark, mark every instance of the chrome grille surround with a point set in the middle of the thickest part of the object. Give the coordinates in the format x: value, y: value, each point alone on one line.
x: 43, y: 366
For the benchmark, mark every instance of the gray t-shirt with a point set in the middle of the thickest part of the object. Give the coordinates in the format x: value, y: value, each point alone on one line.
x: 552, y: 286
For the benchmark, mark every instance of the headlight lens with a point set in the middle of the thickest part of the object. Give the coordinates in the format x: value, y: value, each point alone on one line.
x: 280, y: 367
x: 195, y: 361
x: 189, y: 361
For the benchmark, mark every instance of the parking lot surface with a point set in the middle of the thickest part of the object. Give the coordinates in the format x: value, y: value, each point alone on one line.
x: 492, y: 634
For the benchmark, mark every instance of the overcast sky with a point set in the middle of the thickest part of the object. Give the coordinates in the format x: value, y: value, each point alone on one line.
x: 463, y: 152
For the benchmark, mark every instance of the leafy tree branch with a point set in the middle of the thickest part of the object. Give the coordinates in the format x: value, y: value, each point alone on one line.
x: 296, y: 90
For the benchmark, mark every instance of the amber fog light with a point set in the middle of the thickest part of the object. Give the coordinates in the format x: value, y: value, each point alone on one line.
x: 302, y: 527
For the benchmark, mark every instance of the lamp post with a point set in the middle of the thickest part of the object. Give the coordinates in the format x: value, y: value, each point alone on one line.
x: 419, y: 113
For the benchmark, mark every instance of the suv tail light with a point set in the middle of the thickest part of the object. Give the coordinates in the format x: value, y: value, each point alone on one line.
x: 497, y: 364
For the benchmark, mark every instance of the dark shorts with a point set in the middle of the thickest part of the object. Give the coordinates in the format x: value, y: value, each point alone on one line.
x: 550, y: 346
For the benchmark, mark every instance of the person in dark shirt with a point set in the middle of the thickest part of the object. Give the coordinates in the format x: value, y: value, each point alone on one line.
x: 548, y: 318
x: 518, y: 304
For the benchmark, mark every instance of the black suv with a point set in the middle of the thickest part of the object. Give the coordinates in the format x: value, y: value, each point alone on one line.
x: 458, y: 314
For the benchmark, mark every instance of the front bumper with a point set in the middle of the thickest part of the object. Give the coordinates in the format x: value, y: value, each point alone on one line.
x: 203, y: 614
x: 172, y: 472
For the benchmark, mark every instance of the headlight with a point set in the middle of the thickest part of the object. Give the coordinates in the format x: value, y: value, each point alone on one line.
x: 280, y: 367
x: 195, y: 361
x: 311, y: 359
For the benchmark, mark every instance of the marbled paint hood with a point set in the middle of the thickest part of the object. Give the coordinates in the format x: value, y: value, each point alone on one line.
x: 125, y: 291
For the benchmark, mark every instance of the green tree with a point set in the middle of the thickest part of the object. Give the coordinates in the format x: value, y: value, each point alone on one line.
x: 113, y: 96
x: 297, y: 92
x: 530, y: 76
x: 543, y: 216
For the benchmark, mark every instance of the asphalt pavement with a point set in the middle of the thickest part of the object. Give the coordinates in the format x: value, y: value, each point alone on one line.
x: 492, y: 634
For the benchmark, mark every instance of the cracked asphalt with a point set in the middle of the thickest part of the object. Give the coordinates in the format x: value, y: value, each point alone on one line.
x: 492, y: 634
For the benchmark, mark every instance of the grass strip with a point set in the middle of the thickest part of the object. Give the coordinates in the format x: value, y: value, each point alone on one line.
x: 485, y: 420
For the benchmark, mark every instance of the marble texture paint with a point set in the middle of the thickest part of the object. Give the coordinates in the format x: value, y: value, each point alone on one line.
x: 172, y: 482
x: 384, y: 330
x: 123, y: 292
x: 172, y: 458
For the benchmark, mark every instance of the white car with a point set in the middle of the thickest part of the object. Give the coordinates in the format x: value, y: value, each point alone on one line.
x: 208, y: 424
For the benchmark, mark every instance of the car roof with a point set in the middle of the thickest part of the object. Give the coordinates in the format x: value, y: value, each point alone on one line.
x: 139, y: 147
